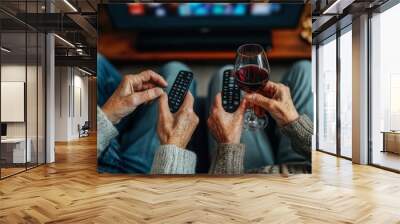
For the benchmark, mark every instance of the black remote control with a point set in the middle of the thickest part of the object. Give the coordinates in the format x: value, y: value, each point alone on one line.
x: 179, y: 90
x: 230, y: 92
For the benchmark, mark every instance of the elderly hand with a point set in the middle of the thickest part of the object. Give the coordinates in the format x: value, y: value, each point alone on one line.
x: 133, y: 91
x: 275, y: 98
x: 226, y: 127
x: 176, y: 128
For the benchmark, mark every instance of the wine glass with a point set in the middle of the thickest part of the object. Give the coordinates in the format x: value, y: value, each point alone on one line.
x: 252, y: 73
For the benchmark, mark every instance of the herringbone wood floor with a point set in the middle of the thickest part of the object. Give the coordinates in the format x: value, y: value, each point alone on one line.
x: 71, y: 191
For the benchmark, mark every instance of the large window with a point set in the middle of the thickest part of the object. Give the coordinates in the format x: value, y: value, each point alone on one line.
x: 327, y: 96
x: 335, y: 73
x: 345, y: 42
x: 22, y: 78
x: 385, y: 89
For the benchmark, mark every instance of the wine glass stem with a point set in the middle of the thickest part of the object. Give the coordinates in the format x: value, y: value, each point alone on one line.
x: 253, y: 115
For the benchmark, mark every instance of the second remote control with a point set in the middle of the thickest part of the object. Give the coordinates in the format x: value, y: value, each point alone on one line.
x: 179, y: 90
x: 230, y: 92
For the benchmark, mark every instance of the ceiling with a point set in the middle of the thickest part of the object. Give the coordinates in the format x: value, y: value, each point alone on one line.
x: 72, y: 20
x: 331, y: 15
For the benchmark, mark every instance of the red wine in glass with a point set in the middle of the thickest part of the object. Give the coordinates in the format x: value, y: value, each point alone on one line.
x: 251, y: 78
x: 252, y: 74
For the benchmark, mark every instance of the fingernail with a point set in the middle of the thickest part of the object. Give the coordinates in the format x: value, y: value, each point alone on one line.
x: 159, y: 90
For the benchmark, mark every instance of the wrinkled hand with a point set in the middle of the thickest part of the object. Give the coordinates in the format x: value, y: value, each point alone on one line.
x: 133, y: 91
x: 176, y: 128
x: 226, y: 127
x: 275, y: 98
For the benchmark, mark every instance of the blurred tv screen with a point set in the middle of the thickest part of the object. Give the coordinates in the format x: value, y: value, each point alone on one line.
x: 204, y: 15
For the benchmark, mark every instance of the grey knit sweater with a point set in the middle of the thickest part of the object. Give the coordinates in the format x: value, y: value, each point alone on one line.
x: 170, y: 159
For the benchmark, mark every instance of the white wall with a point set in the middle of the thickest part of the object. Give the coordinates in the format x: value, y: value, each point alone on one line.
x: 61, y: 104
x: 16, y: 73
x: 70, y: 84
x: 33, y: 127
x: 80, y: 100
x: 13, y: 101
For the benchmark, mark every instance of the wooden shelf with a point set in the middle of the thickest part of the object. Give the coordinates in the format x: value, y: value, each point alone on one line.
x: 286, y: 45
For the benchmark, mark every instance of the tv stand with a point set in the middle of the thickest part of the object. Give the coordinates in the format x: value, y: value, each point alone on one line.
x: 200, y: 40
x: 287, y: 45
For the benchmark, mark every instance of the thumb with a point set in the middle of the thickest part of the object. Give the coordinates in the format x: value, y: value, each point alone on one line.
x: 218, y: 101
x: 163, y: 104
x: 242, y: 107
x: 260, y: 100
x: 187, y: 102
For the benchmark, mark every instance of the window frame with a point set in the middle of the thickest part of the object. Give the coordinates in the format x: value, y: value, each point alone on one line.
x: 339, y: 32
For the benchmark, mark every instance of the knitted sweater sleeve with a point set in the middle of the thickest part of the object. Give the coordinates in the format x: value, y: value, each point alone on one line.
x: 105, y: 132
x: 228, y: 160
x: 300, y: 132
x: 170, y: 159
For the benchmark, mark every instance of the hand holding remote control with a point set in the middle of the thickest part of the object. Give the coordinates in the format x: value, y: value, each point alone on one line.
x: 179, y: 90
x: 230, y: 92
x: 226, y: 127
x: 176, y: 128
